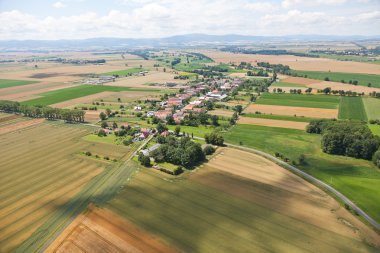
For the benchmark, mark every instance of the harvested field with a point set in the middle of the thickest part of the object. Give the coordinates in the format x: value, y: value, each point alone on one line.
x: 82, y: 100
x: 292, y: 110
x: 343, y: 86
x: 254, y: 207
x: 219, y: 112
x: 41, y: 170
x: 273, y: 123
x: 300, y: 80
x: 297, y: 63
x: 92, y: 116
x: 142, y: 81
x: 130, y: 96
x: 19, y: 125
x: 100, y: 230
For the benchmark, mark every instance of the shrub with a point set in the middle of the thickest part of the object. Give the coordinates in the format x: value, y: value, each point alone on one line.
x: 214, y: 139
x: 106, y: 158
x: 101, y: 133
x: 88, y: 153
x: 178, y: 170
x: 208, y: 150
x: 376, y: 158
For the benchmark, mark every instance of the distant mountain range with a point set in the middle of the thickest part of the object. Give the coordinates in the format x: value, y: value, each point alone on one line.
x: 174, y: 41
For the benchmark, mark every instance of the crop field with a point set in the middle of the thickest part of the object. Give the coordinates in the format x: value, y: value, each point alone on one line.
x: 285, y: 84
x: 363, y: 79
x: 352, y: 108
x: 125, y: 72
x: 372, y: 107
x: 5, y: 83
x: 58, y: 96
x: 273, y: 123
x: 50, y: 161
x: 278, y: 117
x: 292, y: 111
x: 100, y: 230
x: 375, y: 129
x: 357, y: 179
x: 257, y: 208
x: 299, y: 80
x: 299, y: 100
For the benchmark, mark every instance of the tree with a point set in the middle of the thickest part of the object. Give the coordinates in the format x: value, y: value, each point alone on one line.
x: 104, y: 124
x: 108, y: 112
x: 161, y: 127
x: 155, y: 120
x: 101, y: 133
x: 376, y: 158
x: 144, y: 160
x: 208, y: 150
x: 102, y: 116
x: 170, y: 120
x: 214, y: 138
x: 238, y: 109
x: 214, y: 120
x: 177, y: 130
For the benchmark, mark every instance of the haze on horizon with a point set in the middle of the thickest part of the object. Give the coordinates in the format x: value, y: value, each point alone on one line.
x: 80, y: 19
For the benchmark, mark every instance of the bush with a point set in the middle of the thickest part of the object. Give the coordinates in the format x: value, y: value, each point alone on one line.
x: 104, y: 125
x: 127, y: 142
x: 214, y: 139
x: 178, y: 170
x: 88, y: 153
x: 106, y: 158
x: 209, y: 150
x: 101, y: 133
x: 376, y: 158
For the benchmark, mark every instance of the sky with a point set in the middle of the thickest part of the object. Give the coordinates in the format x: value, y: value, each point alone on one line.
x: 80, y: 19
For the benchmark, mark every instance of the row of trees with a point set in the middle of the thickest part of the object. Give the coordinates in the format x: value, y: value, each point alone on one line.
x: 348, y: 138
x: 214, y: 139
x: 42, y: 111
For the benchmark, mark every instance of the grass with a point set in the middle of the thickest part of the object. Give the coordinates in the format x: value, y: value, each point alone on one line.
x: 363, y: 79
x: 375, y: 129
x: 58, y: 96
x: 124, y: 72
x: 300, y: 100
x: 356, y: 58
x: 199, y: 131
x: 279, y: 117
x: 285, y: 84
x: 110, y: 139
x: 352, y: 108
x: 358, y: 179
x: 372, y: 107
x: 5, y: 83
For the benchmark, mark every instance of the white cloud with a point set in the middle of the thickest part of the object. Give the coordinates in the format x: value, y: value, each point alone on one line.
x: 261, y: 6
x: 59, y: 5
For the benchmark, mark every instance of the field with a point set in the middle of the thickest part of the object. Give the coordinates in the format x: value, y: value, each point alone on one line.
x: 59, y: 171
x: 299, y: 80
x: 4, y: 83
x: 298, y: 100
x: 292, y: 110
x: 100, y: 230
x: 285, y: 84
x: 352, y: 108
x: 273, y: 123
x: 363, y: 79
x: 222, y: 113
x: 278, y: 117
x: 124, y: 72
x: 357, y: 179
x: 58, y: 96
x: 372, y: 107
x: 296, y: 62
x: 254, y: 207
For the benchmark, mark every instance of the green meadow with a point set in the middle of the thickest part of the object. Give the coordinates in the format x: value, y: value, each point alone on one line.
x: 285, y: 84
x: 372, y: 107
x: 5, y: 83
x: 125, y: 72
x: 352, y: 108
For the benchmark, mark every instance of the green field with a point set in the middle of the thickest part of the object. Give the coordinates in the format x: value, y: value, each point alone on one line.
x: 357, y: 179
x: 278, y: 117
x: 363, y: 79
x: 357, y: 58
x: 5, y: 83
x: 372, y: 107
x: 285, y: 84
x: 58, y: 96
x: 375, y: 129
x: 352, y: 108
x: 124, y: 72
x: 211, y: 211
x: 313, y: 101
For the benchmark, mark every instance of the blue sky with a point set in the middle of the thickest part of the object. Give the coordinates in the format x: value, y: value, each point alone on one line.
x: 77, y: 19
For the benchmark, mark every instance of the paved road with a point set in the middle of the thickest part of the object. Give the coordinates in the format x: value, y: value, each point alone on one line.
x: 312, y: 179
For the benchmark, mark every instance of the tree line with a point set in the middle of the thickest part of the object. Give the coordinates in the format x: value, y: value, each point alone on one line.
x: 42, y: 111
x: 348, y: 138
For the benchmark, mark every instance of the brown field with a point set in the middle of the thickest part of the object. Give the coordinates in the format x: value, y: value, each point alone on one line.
x: 93, y: 116
x: 27, y: 92
x: 82, y: 100
x: 219, y: 112
x: 299, y: 80
x: 151, y: 77
x: 19, y: 125
x: 298, y: 63
x: 292, y: 110
x: 342, y: 86
x: 130, y: 96
x: 102, y: 231
x: 273, y: 123
x: 288, y: 194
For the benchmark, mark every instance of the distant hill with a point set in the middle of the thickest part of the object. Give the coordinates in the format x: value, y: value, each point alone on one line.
x: 178, y: 40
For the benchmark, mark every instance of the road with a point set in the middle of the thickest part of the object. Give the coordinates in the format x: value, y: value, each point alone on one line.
x: 311, y: 179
